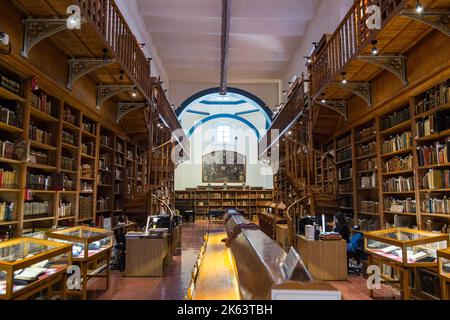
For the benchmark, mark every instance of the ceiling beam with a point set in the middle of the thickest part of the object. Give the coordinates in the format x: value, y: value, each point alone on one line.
x: 225, y: 44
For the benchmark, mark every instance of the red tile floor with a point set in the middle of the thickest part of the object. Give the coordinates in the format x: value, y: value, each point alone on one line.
x: 173, y: 285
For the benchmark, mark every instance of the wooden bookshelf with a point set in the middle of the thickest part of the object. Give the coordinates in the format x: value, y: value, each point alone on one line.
x: 58, y: 139
x: 201, y: 200
x: 366, y: 179
x: 344, y: 150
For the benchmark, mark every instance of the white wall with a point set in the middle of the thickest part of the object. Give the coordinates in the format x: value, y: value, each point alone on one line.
x: 189, y: 174
x: 328, y: 15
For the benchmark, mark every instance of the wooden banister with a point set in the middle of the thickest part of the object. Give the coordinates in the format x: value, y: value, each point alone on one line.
x: 350, y: 38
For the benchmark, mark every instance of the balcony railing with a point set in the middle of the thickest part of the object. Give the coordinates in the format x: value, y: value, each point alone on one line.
x: 349, y: 39
x: 105, y: 16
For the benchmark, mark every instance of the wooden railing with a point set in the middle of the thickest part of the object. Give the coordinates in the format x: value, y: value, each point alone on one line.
x: 351, y: 36
x: 105, y: 16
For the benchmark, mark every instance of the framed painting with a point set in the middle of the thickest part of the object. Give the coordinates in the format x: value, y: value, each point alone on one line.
x: 223, y: 166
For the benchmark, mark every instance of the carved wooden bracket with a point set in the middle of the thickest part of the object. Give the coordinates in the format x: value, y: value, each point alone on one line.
x: 37, y: 30
x: 361, y: 89
x: 81, y: 67
x: 438, y: 19
x: 124, y: 108
x: 338, y: 106
x: 394, y: 64
x: 105, y: 92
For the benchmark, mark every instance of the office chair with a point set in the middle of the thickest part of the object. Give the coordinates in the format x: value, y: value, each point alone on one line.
x: 120, y: 249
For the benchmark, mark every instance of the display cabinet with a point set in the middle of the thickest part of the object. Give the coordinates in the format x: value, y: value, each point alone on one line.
x: 444, y: 271
x: 87, y: 242
x: 28, y: 266
x: 406, y: 247
x: 91, y: 252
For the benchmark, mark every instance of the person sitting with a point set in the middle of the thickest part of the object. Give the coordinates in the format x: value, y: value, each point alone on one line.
x: 341, y: 226
x: 355, y: 251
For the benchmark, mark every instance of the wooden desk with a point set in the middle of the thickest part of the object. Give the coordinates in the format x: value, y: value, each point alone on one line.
x: 145, y: 257
x: 281, y: 237
x: 326, y: 260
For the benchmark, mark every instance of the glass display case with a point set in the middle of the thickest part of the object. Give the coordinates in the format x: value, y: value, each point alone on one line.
x: 87, y: 242
x: 407, y: 247
x: 444, y: 263
x: 27, y: 264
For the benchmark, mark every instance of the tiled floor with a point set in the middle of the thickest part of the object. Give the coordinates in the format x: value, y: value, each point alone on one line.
x: 177, y: 276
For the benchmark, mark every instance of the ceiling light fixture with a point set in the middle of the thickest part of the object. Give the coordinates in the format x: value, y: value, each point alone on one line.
x: 374, y: 47
x: 134, y: 93
x: 323, y: 98
x: 344, y: 79
x: 419, y: 7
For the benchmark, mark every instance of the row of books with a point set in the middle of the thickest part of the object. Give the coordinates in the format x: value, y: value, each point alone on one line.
x: 67, y: 163
x: 365, y: 149
x: 345, y: 172
x: 66, y: 208
x: 104, y: 178
x: 6, y: 210
x: 68, y: 137
x: 42, y: 102
x: 39, y: 182
x: 106, y: 141
x: 369, y: 181
x: 89, y: 126
x: 8, y: 178
x: 104, y: 161
x: 345, y: 187
x: 434, y: 97
x: 9, y: 116
x: 7, y: 149
x: 397, y: 143
x: 399, y: 184
x: 436, y: 179
x: 396, y: 118
x: 10, y: 84
x: 437, y: 153
x: 369, y: 206
x: 343, y: 155
x: 118, y: 174
x: 68, y: 116
x: 88, y: 148
x: 86, y: 207
x: 119, y: 160
x: 346, y: 202
x: 40, y: 135
x: 367, y: 164
x: 344, y: 141
x: 398, y: 164
x: 119, y: 146
x: 35, y: 208
x: 435, y: 123
x: 408, y: 204
x: 103, y: 204
x: 39, y: 157
x: 435, y: 205
x: 366, y: 132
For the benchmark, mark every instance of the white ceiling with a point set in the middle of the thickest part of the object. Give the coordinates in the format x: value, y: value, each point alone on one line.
x: 263, y: 39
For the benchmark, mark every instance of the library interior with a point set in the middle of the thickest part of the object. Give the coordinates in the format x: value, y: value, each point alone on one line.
x: 225, y: 149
